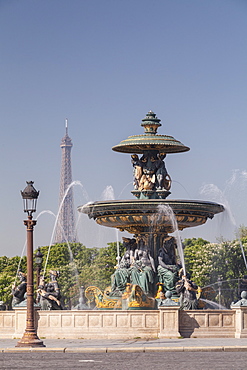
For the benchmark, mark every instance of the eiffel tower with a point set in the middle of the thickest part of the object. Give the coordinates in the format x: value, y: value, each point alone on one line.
x: 65, y: 229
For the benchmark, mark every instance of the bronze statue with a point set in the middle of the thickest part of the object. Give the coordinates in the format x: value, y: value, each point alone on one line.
x: 121, y: 276
x: 166, y: 300
x: 142, y: 269
x: 163, y: 179
x: 50, y: 297
x: 19, y: 291
x: 187, y: 290
x: 136, y: 267
x: 150, y: 172
x: 167, y: 265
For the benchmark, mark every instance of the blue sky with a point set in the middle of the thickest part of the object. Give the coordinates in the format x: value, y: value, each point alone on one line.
x: 104, y: 65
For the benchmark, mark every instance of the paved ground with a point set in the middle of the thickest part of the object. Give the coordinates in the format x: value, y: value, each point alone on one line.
x: 171, y: 354
x: 125, y: 360
x: 135, y: 345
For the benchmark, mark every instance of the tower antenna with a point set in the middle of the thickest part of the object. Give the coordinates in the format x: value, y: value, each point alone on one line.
x: 66, y: 126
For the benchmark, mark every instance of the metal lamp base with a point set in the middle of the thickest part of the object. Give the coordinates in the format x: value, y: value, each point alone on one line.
x: 30, y: 340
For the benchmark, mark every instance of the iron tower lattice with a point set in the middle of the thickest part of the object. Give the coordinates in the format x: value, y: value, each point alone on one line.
x: 65, y: 229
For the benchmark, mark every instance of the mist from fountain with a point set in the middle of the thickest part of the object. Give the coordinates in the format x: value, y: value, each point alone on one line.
x: 213, y: 305
x: 25, y: 244
x: 108, y: 194
x: 19, y: 264
x: 74, y: 183
x: 166, y: 210
x: 213, y: 191
x: 230, y: 285
x: 72, y: 263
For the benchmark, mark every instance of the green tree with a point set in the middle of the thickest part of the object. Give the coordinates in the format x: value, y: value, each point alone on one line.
x: 99, y: 272
x: 80, y: 266
x: 209, y: 262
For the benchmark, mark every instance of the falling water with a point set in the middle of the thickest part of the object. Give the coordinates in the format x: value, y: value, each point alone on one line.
x: 167, y: 211
x: 74, y: 183
x: 108, y: 194
x: 19, y: 264
x: 213, y: 191
x: 131, y: 182
x: 46, y: 211
x: 213, y: 305
x: 118, y: 250
x: 24, y: 247
x: 177, y: 182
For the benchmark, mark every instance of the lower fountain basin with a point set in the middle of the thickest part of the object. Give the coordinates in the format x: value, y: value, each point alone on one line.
x: 137, y: 216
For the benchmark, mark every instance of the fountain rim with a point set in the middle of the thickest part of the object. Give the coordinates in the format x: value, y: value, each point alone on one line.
x: 140, y: 143
x: 136, y: 204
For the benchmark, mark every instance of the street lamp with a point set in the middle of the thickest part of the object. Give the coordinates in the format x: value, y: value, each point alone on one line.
x: 38, y: 262
x: 30, y: 338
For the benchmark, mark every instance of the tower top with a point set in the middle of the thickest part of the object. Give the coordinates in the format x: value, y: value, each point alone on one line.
x: 66, y: 140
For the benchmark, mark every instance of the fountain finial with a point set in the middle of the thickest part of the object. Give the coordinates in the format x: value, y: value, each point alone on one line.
x: 151, y: 123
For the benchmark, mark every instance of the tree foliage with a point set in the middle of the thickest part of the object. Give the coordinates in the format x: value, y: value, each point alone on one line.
x: 77, y: 265
x: 220, y: 265
x: 80, y: 266
x: 8, y: 276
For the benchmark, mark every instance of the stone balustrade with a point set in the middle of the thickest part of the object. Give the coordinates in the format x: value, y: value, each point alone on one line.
x: 167, y: 322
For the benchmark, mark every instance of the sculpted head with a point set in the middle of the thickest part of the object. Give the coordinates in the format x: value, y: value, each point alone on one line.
x: 168, y: 294
x: 244, y: 294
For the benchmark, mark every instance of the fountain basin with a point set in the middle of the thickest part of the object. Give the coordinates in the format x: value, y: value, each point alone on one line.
x: 138, y: 216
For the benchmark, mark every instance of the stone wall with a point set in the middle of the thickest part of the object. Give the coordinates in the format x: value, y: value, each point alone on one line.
x: 167, y: 322
x: 98, y: 324
x: 207, y: 323
x: 7, y: 324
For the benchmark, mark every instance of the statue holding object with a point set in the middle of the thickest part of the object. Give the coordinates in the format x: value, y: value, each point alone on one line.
x: 187, y: 290
x: 50, y: 297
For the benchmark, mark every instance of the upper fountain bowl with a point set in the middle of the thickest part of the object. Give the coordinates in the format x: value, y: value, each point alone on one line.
x: 150, y: 140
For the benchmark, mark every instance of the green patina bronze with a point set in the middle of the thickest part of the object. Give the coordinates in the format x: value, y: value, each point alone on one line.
x: 149, y: 218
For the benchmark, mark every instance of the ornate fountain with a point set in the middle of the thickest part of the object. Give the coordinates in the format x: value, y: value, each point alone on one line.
x: 146, y: 216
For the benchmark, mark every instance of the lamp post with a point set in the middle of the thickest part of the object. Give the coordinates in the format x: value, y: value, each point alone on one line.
x: 38, y: 262
x: 30, y: 338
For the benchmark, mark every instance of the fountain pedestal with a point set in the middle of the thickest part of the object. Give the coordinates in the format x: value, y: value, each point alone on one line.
x: 169, y: 322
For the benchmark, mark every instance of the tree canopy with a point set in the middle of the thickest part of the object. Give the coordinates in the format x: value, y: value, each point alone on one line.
x: 220, y: 265
x: 208, y: 264
x: 77, y: 265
